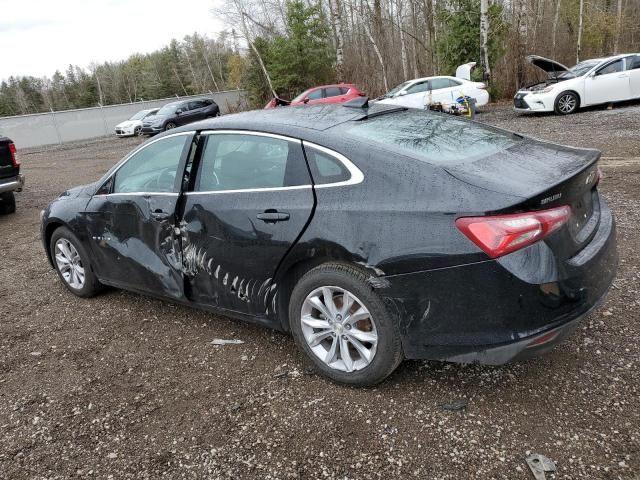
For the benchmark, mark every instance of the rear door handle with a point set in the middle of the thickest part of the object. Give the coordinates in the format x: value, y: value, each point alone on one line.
x: 160, y: 215
x: 272, y: 216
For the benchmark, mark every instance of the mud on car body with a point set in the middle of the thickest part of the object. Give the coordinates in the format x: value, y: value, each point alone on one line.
x: 371, y: 234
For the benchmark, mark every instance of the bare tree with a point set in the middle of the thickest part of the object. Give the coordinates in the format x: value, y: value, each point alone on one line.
x: 616, y: 43
x: 336, y: 24
x: 579, y: 43
x: 484, y: 36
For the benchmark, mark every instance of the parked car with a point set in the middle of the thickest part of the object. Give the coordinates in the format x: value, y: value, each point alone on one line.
x: 591, y: 82
x: 371, y: 234
x: 179, y: 113
x: 11, y: 180
x: 133, y: 126
x: 338, y: 93
x: 422, y: 92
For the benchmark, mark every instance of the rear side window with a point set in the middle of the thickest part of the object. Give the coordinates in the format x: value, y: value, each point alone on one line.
x: 242, y: 161
x: 435, y: 138
x: 344, y: 90
x: 438, y: 83
x: 332, y: 92
x: 325, y: 168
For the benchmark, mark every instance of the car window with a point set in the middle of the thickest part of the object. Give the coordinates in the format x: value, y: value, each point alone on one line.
x: 196, y: 104
x: 418, y: 87
x: 153, y: 168
x: 238, y: 162
x: 434, y: 138
x: 207, y: 102
x: 315, y: 94
x: 454, y: 83
x: 438, y: 83
x: 332, y: 92
x: 325, y: 168
x: 633, y: 63
x: 344, y: 90
x: 611, y: 68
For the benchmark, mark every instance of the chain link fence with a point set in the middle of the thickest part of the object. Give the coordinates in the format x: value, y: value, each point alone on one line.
x: 69, y: 125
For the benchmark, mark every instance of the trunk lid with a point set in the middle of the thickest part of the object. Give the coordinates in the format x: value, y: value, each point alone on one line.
x: 550, y: 67
x: 7, y: 168
x: 545, y: 176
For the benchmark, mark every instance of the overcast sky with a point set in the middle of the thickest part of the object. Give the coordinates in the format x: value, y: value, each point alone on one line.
x: 39, y: 36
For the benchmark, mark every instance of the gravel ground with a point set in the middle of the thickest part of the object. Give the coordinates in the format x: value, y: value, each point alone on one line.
x: 124, y: 386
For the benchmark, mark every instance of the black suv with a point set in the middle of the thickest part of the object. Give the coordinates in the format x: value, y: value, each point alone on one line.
x: 175, y: 114
x: 10, y: 178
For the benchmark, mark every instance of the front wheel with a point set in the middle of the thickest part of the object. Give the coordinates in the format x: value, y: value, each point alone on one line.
x: 566, y: 103
x: 72, y: 263
x: 137, y: 131
x: 343, y: 327
x: 170, y: 126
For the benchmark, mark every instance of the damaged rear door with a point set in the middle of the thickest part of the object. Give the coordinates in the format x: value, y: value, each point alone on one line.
x: 131, y: 220
x: 250, y: 201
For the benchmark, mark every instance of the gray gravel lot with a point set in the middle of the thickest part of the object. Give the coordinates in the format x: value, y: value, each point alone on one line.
x: 124, y: 386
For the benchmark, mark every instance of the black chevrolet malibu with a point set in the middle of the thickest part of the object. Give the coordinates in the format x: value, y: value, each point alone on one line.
x: 370, y: 233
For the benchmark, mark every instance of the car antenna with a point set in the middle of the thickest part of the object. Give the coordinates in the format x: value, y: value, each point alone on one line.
x: 358, y: 102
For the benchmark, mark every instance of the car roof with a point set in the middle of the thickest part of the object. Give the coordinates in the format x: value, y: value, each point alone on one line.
x: 350, y: 85
x: 291, y: 120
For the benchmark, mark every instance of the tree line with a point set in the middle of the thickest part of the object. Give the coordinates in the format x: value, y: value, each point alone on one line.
x: 195, y: 65
x: 376, y: 44
x: 281, y: 47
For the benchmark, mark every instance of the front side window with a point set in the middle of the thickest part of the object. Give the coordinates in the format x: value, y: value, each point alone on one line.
x: 611, y: 68
x: 633, y: 63
x: 153, y: 168
x: 241, y: 161
x: 418, y: 87
x: 168, y: 109
x: 315, y: 94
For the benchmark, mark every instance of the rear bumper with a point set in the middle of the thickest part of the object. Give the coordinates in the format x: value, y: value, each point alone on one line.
x: 13, y: 184
x: 498, y: 310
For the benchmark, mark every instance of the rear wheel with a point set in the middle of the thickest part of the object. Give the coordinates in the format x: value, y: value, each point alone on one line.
x: 343, y: 327
x: 566, y: 103
x: 7, y: 203
x: 72, y: 263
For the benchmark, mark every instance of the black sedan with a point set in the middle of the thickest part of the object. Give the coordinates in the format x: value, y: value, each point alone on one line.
x: 175, y: 114
x: 372, y: 234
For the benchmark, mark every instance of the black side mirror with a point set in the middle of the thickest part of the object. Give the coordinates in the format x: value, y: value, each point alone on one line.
x: 306, y: 100
x: 178, y: 111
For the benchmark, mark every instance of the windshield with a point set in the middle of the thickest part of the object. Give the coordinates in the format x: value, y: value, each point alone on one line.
x: 168, y: 109
x: 300, y: 97
x: 434, y: 138
x: 396, y: 90
x: 578, y: 70
x: 140, y: 115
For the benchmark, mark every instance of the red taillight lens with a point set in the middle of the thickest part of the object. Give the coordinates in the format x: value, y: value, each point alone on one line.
x: 502, y: 234
x: 14, y: 157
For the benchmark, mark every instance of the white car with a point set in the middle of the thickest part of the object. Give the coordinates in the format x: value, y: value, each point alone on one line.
x: 133, y: 126
x: 422, y: 92
x: 591, y: 82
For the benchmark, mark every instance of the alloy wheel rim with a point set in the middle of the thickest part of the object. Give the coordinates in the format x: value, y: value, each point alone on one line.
x: 69, y: 264
x: 567, y: 103
x: 170, y: 126
x: 339, y: 329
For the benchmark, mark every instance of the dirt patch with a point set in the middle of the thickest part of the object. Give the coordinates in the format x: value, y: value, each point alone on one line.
x: 131, y: 387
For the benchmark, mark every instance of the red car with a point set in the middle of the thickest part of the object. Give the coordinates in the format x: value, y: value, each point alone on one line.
x: 339, y: 93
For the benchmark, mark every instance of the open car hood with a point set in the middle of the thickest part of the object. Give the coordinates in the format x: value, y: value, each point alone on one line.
x: 551, y: 67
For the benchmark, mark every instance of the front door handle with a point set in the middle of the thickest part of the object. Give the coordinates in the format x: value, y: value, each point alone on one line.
x: 272, y: 216
x: 160, y: 215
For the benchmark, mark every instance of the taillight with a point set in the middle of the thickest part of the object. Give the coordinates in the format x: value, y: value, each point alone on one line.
x: 482, y: 86
x: 14, y: 157
x: 502, y: 234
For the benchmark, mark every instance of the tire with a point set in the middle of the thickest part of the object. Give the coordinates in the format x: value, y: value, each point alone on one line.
x: 566, y: 103
x: 170, y: 126
x: 373, y: 321
x: 90, y: 285
x: 137, y: 131
x: 7, y: 203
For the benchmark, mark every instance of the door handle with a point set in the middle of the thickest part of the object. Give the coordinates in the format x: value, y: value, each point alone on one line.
x: 160, y: 215
x: 623, y: 75
x: 272, y: 216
